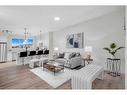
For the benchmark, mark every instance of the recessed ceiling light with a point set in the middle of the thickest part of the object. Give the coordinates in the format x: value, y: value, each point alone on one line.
x: 56, y: 18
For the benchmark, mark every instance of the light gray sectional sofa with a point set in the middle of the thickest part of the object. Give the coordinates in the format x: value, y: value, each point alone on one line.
x: 70, y: 60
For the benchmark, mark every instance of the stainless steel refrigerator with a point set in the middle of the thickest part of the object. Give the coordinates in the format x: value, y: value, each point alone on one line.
x: 3, y: 52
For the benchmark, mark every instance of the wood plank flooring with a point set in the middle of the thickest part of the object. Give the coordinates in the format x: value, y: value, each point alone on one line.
x: 19, y: 77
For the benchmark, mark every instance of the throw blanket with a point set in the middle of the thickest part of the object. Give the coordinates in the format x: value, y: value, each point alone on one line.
x: 82, y: 79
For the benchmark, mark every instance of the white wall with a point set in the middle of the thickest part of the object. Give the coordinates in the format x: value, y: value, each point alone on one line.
x: 98, y: 33
x: 51, y: 45
x: 60, y: 39
x: 44, y: 39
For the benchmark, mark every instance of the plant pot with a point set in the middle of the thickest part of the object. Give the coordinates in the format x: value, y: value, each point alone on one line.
x: 112, y: 57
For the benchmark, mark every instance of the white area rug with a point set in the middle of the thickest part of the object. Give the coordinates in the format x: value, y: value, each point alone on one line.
x: 48, y: 76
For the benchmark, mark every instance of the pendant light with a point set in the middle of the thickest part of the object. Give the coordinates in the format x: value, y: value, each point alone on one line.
x: 40, y: 43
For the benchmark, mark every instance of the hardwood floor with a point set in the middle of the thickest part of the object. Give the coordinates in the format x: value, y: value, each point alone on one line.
x: 19, y: 77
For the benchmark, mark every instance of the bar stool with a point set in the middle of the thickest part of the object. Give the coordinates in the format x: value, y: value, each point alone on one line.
x: 46, y: 52
x: 23, y: 56
x: 32, y: 54
x: 34, y: 60
x: 39, y: 53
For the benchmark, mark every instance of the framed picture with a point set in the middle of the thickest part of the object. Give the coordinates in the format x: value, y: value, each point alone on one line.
x: 75, y: 40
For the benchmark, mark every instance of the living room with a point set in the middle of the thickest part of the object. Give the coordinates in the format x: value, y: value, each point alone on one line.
x: 84, y: 31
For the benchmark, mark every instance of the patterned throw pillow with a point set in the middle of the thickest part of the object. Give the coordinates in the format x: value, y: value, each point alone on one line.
x: 72, y: 55
x: 77, y: 54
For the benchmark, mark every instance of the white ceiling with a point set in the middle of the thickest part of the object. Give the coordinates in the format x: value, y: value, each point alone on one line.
x: 35, y: 18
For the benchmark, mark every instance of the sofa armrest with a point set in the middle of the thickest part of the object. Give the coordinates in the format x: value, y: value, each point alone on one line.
x: 76, y: 61
x: 55, y: 56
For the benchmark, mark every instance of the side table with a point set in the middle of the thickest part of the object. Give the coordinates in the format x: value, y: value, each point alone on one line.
x: 89, y: 61
x: 113, y: 66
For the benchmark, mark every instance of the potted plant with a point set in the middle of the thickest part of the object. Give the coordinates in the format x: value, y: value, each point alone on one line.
x: 112, y: 49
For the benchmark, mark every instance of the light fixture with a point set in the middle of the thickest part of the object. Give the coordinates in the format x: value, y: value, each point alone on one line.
x: 55, y: 49
x: 25, y: 41
x: 4, y: 30
x: 25, y: 33
x: 40, y: 35
x: 40, y: 43
x: 56, y: 18
x: 88, y: 50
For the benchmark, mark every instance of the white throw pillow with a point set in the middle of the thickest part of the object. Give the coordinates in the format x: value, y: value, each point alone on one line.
x: 66, y: 56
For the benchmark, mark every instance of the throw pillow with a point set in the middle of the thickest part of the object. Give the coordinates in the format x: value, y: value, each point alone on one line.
x: 67, y: 56
x: 77, y: 54
x: 72, y: 55
x: 61, y: 55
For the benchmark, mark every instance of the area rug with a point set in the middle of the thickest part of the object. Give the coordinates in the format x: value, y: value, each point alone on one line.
x: 54, y: 81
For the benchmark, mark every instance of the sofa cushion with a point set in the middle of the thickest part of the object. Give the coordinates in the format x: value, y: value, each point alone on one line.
x: 61, y: 60
x: 61, y: 55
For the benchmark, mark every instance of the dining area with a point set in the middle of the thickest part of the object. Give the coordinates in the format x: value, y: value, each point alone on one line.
x: 32, y: 57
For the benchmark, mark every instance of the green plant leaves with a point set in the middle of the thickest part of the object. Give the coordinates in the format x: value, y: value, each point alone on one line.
x: 112, y: 50
x: 118, y: 48
x: 112, y: 45
x: 107, y: 49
